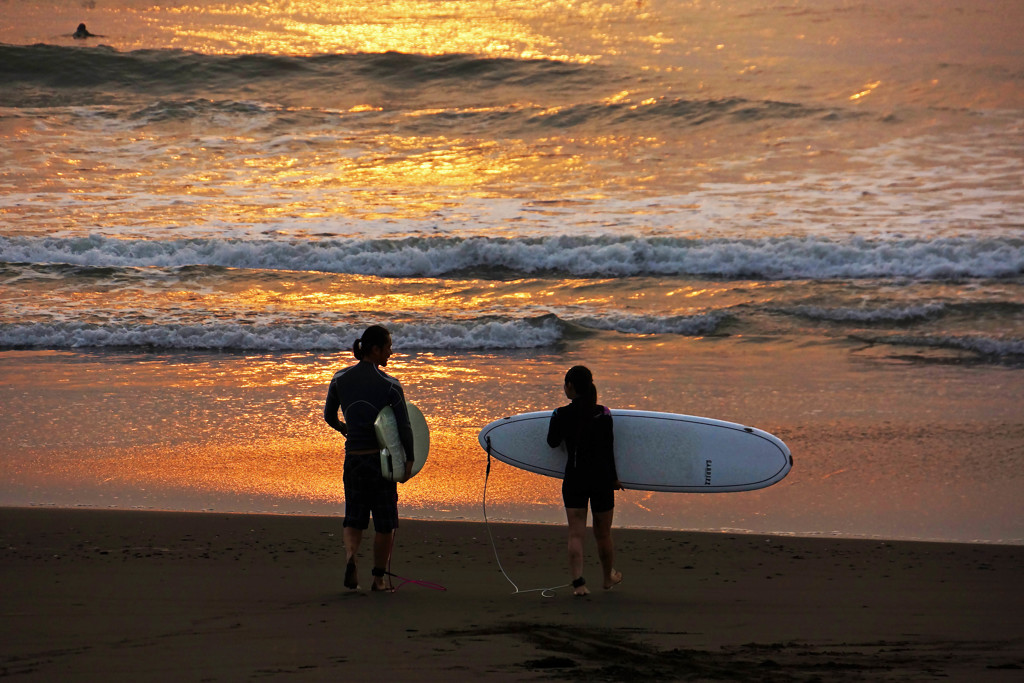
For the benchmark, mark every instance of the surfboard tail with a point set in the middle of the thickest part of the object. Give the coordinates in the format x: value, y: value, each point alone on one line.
x: 392, y: 453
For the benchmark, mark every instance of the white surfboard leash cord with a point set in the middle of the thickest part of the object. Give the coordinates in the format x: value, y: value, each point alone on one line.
x: 545, y: 592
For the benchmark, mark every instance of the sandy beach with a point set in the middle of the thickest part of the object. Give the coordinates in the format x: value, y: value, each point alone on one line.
x: 156, y: 596
x: 801, y: 217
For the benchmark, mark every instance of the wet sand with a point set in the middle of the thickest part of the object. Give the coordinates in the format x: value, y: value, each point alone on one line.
x: 155, y: 596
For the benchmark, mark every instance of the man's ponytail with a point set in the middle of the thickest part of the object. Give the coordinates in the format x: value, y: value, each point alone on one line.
x: 375, y: 335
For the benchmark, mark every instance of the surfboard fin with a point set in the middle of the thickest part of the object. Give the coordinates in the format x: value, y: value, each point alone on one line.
x: 385, y: 455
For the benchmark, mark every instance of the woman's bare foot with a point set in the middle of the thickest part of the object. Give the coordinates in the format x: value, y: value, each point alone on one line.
x: 579, y: 587
x: 613, y: 580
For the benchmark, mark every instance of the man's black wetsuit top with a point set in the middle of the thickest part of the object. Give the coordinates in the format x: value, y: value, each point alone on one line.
x: 362, y: 391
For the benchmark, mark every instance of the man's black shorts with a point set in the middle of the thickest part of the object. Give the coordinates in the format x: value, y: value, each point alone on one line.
x: 369, y: 494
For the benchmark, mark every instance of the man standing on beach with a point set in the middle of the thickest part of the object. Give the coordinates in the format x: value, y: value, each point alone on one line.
x: 362, y: 391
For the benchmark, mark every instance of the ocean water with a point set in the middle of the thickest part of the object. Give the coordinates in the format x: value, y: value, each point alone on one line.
x: 805, y: 216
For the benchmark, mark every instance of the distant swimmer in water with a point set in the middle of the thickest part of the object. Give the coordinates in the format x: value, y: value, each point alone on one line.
x: 83, y: 32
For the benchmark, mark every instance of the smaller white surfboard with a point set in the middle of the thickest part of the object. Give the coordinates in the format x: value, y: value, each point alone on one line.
x: 392, y: 453
x: 654, y: 451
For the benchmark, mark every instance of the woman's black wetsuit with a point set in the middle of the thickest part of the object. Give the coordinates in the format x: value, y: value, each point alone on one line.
x: 590, y: 473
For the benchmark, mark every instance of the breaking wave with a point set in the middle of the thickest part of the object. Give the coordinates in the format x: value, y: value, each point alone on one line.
x: 780, y: 258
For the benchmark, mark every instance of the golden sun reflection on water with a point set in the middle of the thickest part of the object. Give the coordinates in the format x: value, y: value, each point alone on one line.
x: 292, y: 473
x: 247, y: 431
x: 409, y: 176
x: 425, y: 162
x: 431, y: 27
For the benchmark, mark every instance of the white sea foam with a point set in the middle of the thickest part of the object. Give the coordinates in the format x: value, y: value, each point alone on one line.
x: 513, y: 334
x: 605, y: 256
x: 893, y: 314
x: 983, y: 346
x: 696, y: 325
x: 295, y: 336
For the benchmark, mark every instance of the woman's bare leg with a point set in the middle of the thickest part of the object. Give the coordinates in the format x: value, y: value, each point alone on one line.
x: 606, y: 547
x: 577, y: 518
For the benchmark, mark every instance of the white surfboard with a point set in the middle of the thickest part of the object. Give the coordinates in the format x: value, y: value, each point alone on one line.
x: 392, y: 453
x: 654, y: 451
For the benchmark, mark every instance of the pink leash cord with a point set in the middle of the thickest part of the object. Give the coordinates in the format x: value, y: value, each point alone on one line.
x: 417, y: 582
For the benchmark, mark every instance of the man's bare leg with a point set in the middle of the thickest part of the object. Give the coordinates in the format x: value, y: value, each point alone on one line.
x: 382, y: 545
x: 353, y: 537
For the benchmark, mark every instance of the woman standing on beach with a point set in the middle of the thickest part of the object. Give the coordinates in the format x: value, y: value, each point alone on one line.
x: 586, y: 429
x: 361, y: 391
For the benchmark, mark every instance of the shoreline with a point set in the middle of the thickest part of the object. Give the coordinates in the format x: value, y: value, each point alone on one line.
x: 782, y: 535
x: 123, y: 595
x: 871, y: 460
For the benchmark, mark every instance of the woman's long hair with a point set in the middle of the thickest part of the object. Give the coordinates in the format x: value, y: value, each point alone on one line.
x: 582, y: 380
x: 375, y: 335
